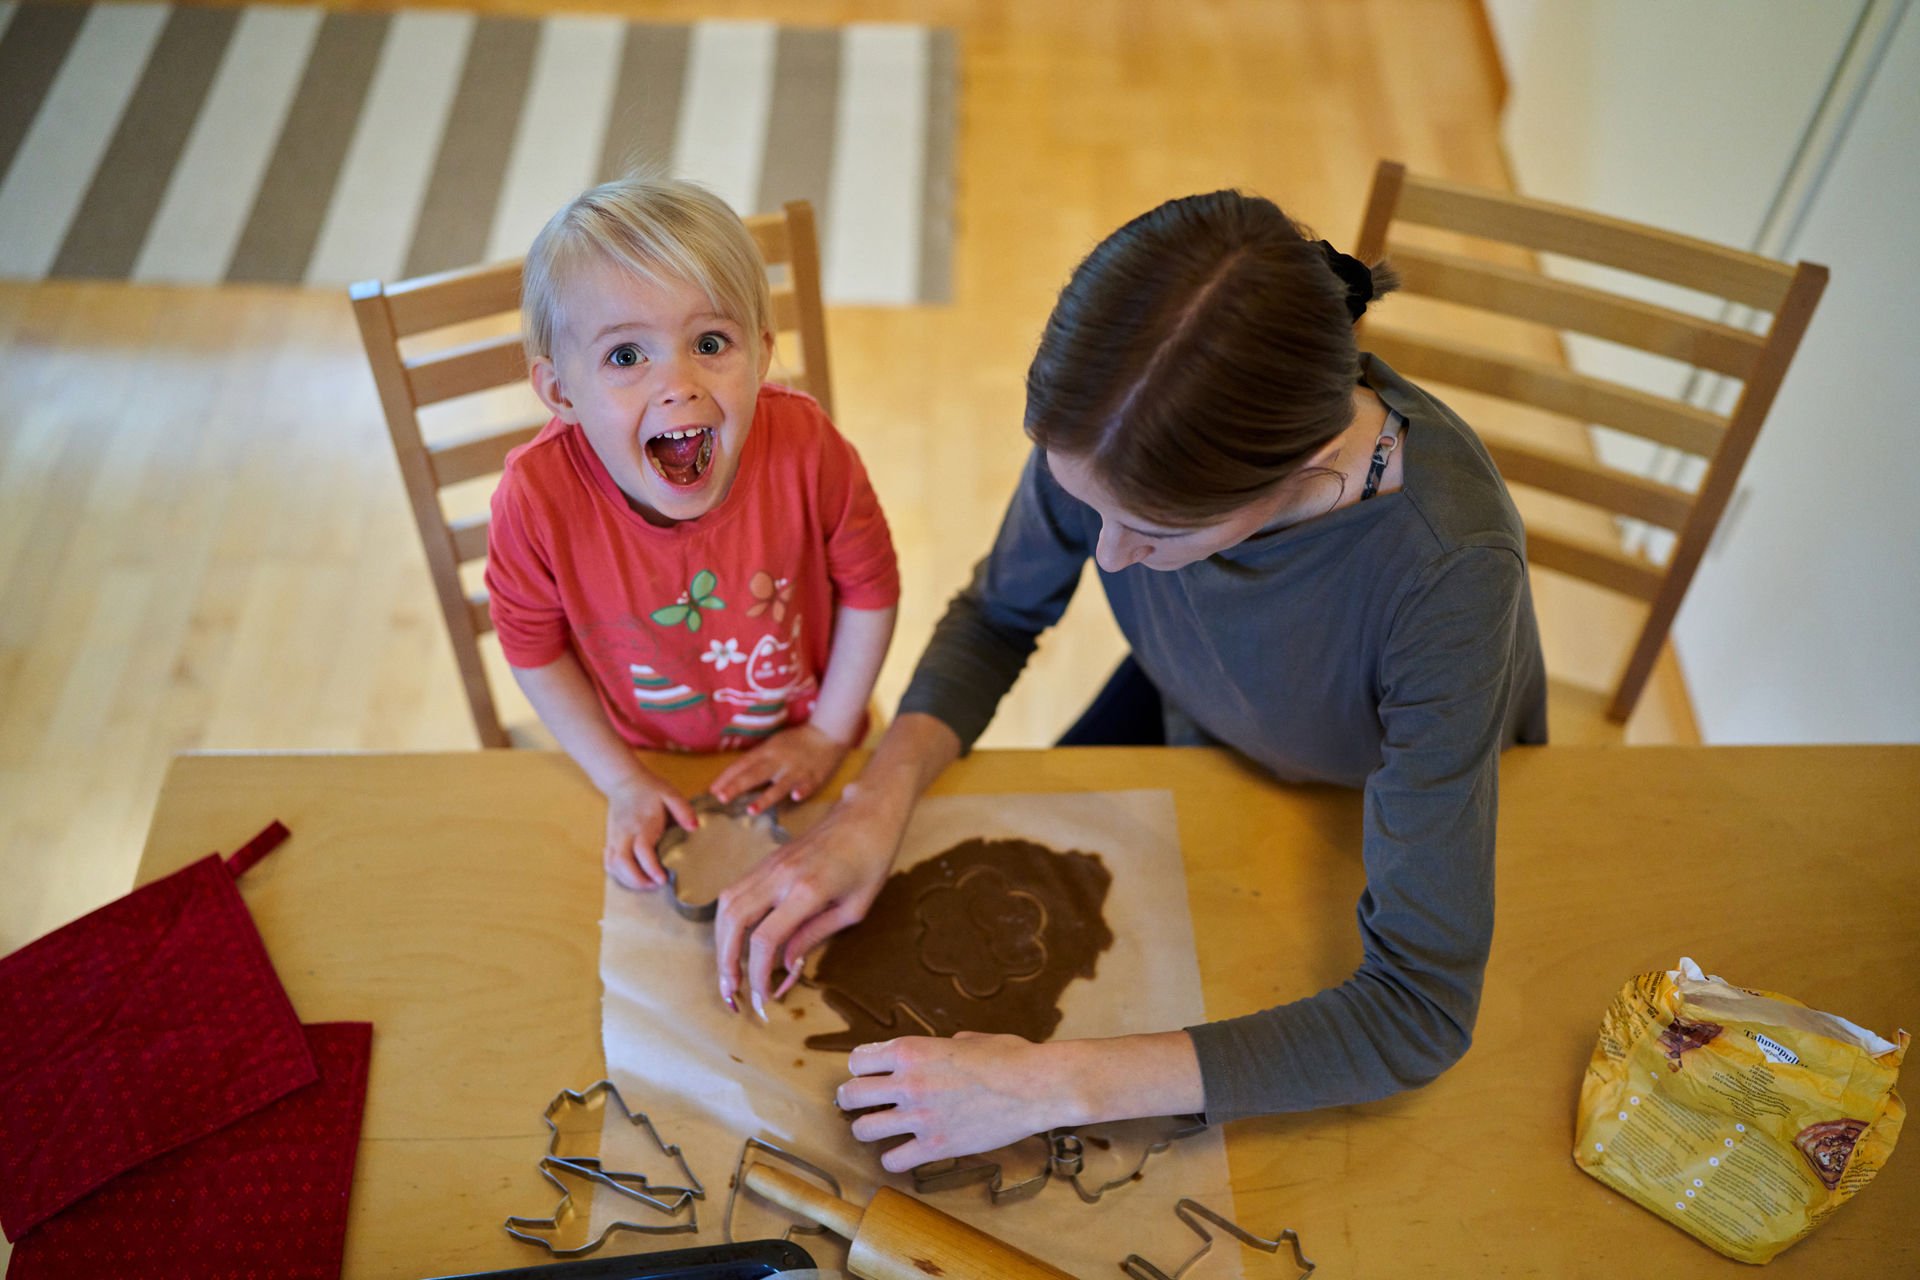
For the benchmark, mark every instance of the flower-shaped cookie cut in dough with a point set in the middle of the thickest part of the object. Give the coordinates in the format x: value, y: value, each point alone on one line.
x: 981, y: 932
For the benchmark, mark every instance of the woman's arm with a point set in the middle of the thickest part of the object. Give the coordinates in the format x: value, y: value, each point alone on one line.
x: 977, y: 1092
x: 639, y: 801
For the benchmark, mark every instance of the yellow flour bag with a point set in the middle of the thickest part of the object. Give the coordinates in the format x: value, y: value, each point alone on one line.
x: 1742, y: 1117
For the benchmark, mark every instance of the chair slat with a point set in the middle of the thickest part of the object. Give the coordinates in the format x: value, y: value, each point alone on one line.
x: 1591, y: 482
x: 786, y: 310
x: 478, y: 366
x: 478, y: 455
x: 770, y: 237
x: 478, y: 611
x: 453, y: 297
x: 469, y: 538
x: 1548, y: 387
x: 1596, y: 562
x: 1538, y: 224
x: 1562, y: 304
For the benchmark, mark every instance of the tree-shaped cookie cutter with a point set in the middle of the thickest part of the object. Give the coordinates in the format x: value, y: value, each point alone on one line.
x: 1066, y: 1159
x: 1191, y: 1211
x: 680, y: 844
x: 664, y: 1198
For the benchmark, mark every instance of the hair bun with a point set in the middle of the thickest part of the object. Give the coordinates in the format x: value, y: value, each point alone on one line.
x: 1353, y: 273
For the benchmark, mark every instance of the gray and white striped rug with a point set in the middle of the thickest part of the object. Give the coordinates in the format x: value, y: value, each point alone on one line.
x: 295, y: 145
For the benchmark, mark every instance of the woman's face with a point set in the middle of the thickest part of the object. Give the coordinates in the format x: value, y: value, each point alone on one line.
x: 1127, y: 539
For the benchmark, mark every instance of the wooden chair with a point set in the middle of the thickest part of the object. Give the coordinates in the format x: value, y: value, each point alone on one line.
x: 419, y: 344
x: 1758, y: 359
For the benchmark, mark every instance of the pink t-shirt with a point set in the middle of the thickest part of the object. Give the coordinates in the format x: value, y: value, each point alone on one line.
x: 708, y: 634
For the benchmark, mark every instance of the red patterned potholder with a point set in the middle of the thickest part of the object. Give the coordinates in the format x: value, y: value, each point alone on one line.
x: 149, y: 1023
x: 265, y: 1196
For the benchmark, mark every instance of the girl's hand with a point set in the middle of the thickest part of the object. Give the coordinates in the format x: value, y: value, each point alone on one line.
x: 791, y: 765
x: 637, y: 815
x: 803, y: 892
x: 955, y: 1097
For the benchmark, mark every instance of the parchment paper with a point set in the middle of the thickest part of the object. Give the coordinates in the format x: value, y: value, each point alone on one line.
x: 710, y: 1078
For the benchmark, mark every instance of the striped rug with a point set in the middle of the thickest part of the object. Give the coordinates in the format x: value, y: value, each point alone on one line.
x: 295, y: 145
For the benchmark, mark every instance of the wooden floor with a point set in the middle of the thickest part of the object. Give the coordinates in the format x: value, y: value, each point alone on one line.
x: 203, y: 538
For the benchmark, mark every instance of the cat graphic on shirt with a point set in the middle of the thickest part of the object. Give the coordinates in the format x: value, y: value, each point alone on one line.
x: 776, y: 679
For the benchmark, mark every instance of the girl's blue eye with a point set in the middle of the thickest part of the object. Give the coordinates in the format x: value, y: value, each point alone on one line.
x: 624, y: 356
x: 711, y: 344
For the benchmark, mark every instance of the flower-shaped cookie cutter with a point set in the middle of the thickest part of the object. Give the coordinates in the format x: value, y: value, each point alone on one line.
x: 718, y: 822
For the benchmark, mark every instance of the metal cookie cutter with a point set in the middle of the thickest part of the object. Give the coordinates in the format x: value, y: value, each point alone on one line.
x: 1066, y: 1159
x: 740, y: 1179
x: 663, y: 1198
x: 724, y: 828
x: 1187, y: 1211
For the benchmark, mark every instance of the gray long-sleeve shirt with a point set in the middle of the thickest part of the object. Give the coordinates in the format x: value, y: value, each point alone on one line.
x: 1389, y: 645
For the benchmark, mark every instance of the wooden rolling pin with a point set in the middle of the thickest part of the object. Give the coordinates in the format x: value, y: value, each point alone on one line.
x: 897, y: 1237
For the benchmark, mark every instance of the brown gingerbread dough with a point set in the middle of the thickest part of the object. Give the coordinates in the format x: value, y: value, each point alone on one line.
x: 983, y: 937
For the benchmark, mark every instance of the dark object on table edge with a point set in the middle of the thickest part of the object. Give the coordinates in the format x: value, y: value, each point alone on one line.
x: 747, y: 1260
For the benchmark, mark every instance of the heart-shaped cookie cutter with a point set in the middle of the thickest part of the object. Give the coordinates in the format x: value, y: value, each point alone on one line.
x: 678, y: 844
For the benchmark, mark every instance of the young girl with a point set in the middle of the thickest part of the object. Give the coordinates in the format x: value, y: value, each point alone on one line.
x: 685, y: 558
x: 1316, y: 564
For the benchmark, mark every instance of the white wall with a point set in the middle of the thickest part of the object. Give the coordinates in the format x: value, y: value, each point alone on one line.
x: 1803, y: 623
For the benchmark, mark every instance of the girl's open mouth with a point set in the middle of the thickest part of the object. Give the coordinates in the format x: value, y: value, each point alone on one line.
x: 682, y: 457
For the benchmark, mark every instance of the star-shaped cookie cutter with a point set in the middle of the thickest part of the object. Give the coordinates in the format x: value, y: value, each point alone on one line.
x: 1189, y: 1209
x: 664, y: 1198
x: 1066, y: 1159
x: 678, y: 840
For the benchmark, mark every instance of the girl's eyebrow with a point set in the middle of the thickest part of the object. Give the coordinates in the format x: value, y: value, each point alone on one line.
x: 694, y: 321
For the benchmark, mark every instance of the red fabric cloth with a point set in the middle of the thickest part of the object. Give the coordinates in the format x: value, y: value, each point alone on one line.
x: 265, y: 1197
x: 714, y: 632
x: 152, y: 1022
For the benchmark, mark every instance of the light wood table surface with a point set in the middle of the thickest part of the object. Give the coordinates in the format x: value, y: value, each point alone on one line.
x: 452, y: 900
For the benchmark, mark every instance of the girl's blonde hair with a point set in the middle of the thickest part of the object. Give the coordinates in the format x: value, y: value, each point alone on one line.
x: 659, y: 229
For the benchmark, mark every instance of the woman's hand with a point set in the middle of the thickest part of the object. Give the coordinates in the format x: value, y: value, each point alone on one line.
x: 638, y: 811
x: 805, y: 891
x: 956, y: 1097
x: 791, y: 765
x: 976, y: 1092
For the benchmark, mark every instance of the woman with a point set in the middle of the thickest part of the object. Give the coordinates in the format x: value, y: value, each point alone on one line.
x: 1316, y: 564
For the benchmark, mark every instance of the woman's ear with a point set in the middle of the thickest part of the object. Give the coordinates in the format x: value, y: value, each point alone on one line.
x: 766, y: 354
x: 546, y: 385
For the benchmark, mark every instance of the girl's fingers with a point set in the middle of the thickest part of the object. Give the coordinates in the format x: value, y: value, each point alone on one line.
x: 621, y: 867
x: 731, y: 779
x: 648, y: 862
x: 680, y: 809
x: 770, y: 794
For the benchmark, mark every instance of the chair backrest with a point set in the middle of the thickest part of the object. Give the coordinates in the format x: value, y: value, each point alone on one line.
x: 1759, y: 360
x: 419, y: 345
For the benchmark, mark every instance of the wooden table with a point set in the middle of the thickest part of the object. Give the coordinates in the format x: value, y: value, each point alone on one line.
x: 452, y: 900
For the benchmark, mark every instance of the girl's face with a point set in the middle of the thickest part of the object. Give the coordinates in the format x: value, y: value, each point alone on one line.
x: 663, y: 387
x: 1127, y: 539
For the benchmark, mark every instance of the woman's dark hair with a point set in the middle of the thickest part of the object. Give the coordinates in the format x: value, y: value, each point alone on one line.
x: 1199, y: 355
